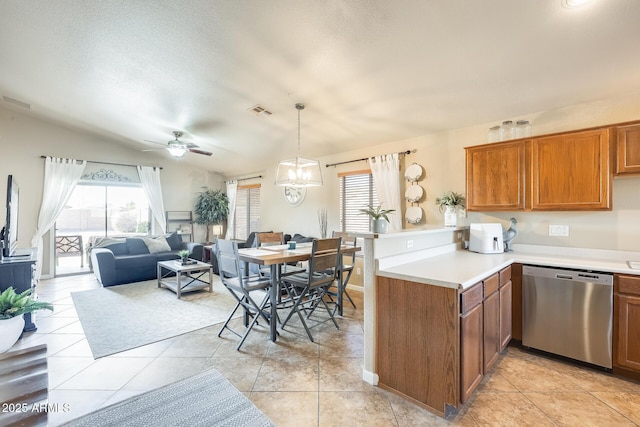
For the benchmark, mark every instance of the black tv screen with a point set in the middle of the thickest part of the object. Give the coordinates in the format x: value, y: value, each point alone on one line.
x: 10, y: 240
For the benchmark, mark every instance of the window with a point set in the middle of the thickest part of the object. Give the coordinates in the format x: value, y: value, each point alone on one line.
x: 247, y: 214
x: 356, y: 192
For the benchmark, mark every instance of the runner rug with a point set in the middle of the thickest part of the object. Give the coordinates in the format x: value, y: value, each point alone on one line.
x: 206, y: 399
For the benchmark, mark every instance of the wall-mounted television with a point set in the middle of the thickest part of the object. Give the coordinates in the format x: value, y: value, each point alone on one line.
x: 10, y: 230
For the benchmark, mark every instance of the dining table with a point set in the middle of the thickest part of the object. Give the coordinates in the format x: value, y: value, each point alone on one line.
x: 274, y: 257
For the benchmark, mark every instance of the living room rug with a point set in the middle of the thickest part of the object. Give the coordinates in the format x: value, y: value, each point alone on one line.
x: 206, y: 399
x: 119, y: 318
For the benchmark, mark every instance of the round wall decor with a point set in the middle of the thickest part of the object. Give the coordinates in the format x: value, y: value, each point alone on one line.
x: 413, y: 172
x: 413, y: 193
x: 294, y: 195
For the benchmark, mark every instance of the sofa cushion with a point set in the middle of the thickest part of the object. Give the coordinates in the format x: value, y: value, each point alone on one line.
x: 126, y: 262
x: 166, y: 256
x: 174, y: 240
x: 299, y: 238
x: 117, y: 246
x: 156, y: 244
x: 136, y: 246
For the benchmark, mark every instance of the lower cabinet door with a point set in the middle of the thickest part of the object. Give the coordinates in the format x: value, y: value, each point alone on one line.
x: 471, y: 338
x: 505, y: 314
x: 628, y: 339
x: 491, y: 330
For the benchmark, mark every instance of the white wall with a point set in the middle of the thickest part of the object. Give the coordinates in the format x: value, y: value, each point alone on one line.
x: 443, y: 158
x: 23, y: 139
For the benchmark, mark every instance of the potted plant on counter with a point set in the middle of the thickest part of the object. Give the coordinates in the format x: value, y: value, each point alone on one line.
x: 449, y: 203
x: 12, y: 307
x: 379, y: 217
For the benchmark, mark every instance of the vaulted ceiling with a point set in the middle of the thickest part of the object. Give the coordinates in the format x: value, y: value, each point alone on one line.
x: 369, y: 71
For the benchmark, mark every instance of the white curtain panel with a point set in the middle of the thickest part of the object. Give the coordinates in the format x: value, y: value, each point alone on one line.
x: 60, y: 178
x: 150, y: 179
x: 232, y: 194
x: 386, y: 176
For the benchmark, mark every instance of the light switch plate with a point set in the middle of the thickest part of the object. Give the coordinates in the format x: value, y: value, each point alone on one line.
x: 559, y: 230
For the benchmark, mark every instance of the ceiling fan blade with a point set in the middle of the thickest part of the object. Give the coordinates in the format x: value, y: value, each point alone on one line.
x: 191, y: 145
x: 204, y: 153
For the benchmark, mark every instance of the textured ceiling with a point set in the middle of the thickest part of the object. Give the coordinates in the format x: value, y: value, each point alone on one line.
x: 369, y: 71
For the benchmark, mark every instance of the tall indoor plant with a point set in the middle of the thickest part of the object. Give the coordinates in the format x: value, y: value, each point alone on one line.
x: 212, y: 207
x: 449, y: 203
x: 12, y: 307
x: 379, y: 217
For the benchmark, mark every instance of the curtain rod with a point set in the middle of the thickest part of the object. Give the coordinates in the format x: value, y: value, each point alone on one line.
x: 367, y: 158
x: 244, y: 179
x: 107, y: 163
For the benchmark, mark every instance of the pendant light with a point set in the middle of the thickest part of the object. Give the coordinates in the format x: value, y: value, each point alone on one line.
x: 299, y: 172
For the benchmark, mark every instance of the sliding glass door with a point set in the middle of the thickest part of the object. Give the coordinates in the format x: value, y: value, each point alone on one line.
x: 97, y: 211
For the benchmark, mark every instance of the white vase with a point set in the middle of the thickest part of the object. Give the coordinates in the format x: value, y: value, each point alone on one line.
x: 380, y: 226
x: 10, y: 330
x: 450, y: 216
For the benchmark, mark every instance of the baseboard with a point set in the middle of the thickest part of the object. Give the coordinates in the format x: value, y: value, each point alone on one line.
x: 370, y: 377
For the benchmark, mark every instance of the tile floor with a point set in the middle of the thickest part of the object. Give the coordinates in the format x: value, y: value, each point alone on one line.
x: 299, y: 383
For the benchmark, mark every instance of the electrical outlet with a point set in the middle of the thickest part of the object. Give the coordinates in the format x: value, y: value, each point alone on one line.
x: 358, y: 271
x: 409, y: 244
x: 559, y: 230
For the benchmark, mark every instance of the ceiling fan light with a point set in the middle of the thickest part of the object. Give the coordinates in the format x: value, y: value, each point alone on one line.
x: 177, y: 152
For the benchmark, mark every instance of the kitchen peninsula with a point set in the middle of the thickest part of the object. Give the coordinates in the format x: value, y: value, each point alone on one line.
x: 430, y: 306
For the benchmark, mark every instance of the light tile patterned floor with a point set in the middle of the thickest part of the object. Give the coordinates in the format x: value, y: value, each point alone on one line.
x: 299, y: 383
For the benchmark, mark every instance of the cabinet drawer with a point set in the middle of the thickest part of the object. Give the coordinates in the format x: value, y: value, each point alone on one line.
x: 470, y: 298
x: 505, y: 276
x: 491, y: 284
x: 628, y: 284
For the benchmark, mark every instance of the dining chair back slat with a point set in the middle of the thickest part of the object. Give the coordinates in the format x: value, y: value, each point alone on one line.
x: 267, y: 239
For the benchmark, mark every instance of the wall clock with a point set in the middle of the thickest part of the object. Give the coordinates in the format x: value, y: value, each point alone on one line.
x: 294, y: 195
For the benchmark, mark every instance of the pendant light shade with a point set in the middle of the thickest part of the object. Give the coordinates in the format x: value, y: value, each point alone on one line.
x: 299, y: 172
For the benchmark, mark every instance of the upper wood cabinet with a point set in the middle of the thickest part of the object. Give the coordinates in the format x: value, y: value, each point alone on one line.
x: 496, y: 177
x: 628, y: 150
x: 567, y: 171
x: 572, y: 171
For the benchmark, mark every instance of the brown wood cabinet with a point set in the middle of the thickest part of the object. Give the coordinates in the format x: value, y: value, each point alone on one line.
x: 628, y: 158
x: 505, y: 307
x: 626, y: 325
x: 572, y: 171
x: 565, y: 171
x: 496, y: 176
x: 491, y: 321
x: 471, y: 347
x: 417, y: 342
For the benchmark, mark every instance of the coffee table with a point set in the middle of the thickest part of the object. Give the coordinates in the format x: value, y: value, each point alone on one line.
x: 187, y: 278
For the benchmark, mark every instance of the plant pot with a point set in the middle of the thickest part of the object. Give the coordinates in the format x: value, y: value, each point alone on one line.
x: 185, y: 261
x: 450, y: 216
x: 10, y: 330
x: 380, y: 226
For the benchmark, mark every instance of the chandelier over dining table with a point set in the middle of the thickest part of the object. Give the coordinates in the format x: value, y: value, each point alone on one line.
x: 299, y: 172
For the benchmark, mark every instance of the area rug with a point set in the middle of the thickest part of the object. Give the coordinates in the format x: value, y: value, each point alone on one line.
x: 206, y: 399
x: 119, y: 318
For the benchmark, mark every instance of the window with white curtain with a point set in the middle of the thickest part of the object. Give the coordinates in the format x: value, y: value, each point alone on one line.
x: 357, y: 191
x: 247, y: 213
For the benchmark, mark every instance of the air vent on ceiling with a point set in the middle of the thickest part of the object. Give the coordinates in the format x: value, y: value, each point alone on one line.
x: 260, y: 110
x: 15, y: 102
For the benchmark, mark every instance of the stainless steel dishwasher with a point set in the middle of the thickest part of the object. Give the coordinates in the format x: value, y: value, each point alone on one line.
x: 568, y: 312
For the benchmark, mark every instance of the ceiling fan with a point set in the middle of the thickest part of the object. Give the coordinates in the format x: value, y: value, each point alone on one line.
x: 179, y: 148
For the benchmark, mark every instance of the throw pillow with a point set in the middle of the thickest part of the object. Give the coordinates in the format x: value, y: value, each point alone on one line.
x: 136, y: 246
x: 158, y: 244
x: 174, y: 240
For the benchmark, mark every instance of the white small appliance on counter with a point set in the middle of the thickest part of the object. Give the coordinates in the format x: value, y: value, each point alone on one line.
x: 486, y: 238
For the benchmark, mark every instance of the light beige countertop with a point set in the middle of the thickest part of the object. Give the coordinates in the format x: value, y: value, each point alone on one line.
x: 452, y: 267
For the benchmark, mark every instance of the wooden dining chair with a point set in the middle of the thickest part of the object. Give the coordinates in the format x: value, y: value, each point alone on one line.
x: 247, y: 290
x: 269, y: 239
x: 312, y: 285
x: 348, y: 265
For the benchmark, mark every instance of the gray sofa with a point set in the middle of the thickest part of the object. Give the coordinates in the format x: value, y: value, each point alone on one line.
x: 134, y: 259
